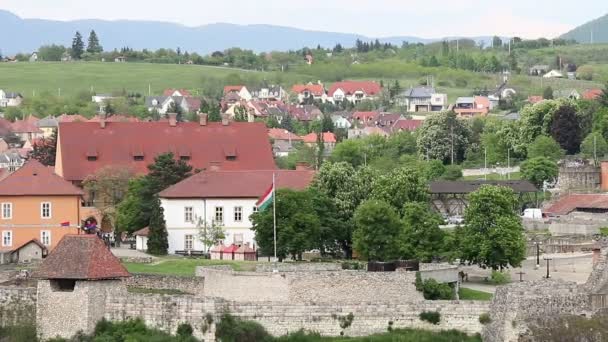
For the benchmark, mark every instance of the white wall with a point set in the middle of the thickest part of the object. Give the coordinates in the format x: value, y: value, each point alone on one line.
x: 177, y: 228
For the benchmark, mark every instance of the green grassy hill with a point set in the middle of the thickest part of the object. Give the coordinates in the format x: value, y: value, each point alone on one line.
x: 582, y: 34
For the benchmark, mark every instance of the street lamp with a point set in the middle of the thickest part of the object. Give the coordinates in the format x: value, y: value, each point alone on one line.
x: 537, y: 244
x: 548, y: 259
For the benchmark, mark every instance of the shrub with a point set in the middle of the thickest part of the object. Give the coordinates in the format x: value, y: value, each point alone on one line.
x: 432, y: 290
x: 346, y: 321
x: 500, y: 278
x: 231, y: 329
x: 184, y: 330
x: 484, y: 318
x: 432, y: 317
x: 351, y: 265
x: 19, y: 333
x: 604, y: 231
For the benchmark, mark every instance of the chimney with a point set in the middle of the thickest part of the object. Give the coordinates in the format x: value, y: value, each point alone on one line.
x: 302, y: 166
x: 172, y: 119
x: 215, y: 166
x: 102, y: 120
x: 225, y: 119
x: 202, y: 119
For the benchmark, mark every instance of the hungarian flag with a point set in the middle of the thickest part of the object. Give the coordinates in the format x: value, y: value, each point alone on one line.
x: 266, y: 199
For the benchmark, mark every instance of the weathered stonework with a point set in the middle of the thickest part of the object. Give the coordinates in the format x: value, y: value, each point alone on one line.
x: 299, y: 267
x: 190, y: 285
x: 17, y: 306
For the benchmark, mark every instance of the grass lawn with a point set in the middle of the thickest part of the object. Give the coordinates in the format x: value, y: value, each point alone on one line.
x: 184, y: 266
x: 469, y: 294
x: 398, y: 335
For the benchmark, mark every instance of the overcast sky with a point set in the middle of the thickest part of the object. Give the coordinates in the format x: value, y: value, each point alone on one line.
x: 376, y: 18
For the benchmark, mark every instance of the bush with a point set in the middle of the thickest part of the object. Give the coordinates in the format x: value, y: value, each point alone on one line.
x: 19, y: 333
x: 184, y: 330
x: 484, y: 318
x: 352, y: 265
x: 432, y: 290
x: 231, y: 329
x: 500, y: 278
x: 432, y: 317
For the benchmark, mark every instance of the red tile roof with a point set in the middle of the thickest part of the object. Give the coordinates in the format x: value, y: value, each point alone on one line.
x: 26, y: 126
x: 169, y: 92
x: 237, y: 184
x: 570, y: 203
x: 71, y: 118
x: 328, y: 137
x: 350, y: 87
x: 282, y: 134
x: 366, y: 116
x: 35, y: 179
x: 5, y: 126
x: 592, y: 94
x: 482, y: 101
x: 115, y: 118
x: 315, y: 89
x: 406, y: 125
x: 193, y: 103
x: 118, y: 141
x: 230, y: 89
x: 81, y: 257
x: 142, y: 232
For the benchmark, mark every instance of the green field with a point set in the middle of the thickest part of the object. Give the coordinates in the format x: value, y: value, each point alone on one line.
x: 185, y: 266
x: 470, y: 294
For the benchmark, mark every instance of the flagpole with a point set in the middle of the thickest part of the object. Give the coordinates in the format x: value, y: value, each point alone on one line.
x: 274, y: 216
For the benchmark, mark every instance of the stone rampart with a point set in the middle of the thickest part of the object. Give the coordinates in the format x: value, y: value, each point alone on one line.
x: 299, y: 267
x: 17, y: 306
x: 190, y: 285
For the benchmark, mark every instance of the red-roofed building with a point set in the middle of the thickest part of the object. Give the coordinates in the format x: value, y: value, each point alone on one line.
x: 597, y: 203
x: 114, y: 118
x: 27, y: 129
x: 365, y: 118
x: 225, y: 198
x: 406, y: 125
x: 283, y: 134
x: 71, y: 118
x: 469, y: 107
x: 592, y: 94
x: 231, y: 93
x: 85, y: 147
x: 304, y: 91
x: 329, y: 141
x: 353, y: 91
x: 176, y: 92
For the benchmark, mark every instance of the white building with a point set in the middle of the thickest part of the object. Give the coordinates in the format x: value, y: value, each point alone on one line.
x: 223, y: 198
x: 353, y: 91
x: 422, y: 99
x: 10, y: 99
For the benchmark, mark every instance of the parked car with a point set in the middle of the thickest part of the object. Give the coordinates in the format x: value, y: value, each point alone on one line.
x: 455, y: 219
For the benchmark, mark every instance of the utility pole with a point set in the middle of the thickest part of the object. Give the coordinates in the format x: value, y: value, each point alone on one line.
x: 595, y: 149
x: 508, y: 163
x: 452, y: 140
x: 485, y: 163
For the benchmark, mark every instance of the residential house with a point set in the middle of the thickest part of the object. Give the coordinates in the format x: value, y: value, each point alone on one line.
x: 571, y: 94
x: 223, y: 198
x: 361, y: 119
x: 141, y: 239
x: 306, y: 113
x: 85, y: 147
x: 468, y: 107
x: 328, y: 138
x: 236, y: 93
x: 553, y: 74
x: 387, y: 119
x: 101, y: 98
x: 408, y: 125
x: 34, y: 57
x: 10, y: 99
x: 539, y: 70
x: 283, y: 141
x: 422, y: 99
x: 47, y: 125
x: 269, y: 92
x: 11, y: 161
x: 120, y: 59
x: 71, y: 118
x: 27, y: 129
x: 163, y: 104
x: 340, y: 121
x: 592, y: 94
x: 35, y: 203
x: 353, y: 91
x: 367, y: 131
x: 316, y: 92
x: 177, y: 92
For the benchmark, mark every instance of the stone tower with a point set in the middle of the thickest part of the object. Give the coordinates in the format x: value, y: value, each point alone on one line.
x: 74, y: 281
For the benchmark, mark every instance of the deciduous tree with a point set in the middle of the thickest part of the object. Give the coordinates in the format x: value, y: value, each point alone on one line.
x: 377, y: 227
x: 157, y: 237
x: 538, y: 170
x: 443, y: 137
x: 44, y: 150
x: 421, y: 237
x: 545, y: 146
x: 565, y: 128
x: 594, y: 146
x: 400, y: 186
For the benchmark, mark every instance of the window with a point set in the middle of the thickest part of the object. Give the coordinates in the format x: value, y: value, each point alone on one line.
x: 7, y: 210
x: 219, y: 214
x: 188, y: 217
x: 45, y: 210
x: 255, y: 209
x: 238, y: 214
x: 188, y: 242
x: 138, y: 158
x: 45, y: 237
x: 238, y: 239
x: 92, y: 158
x: 7, y: 238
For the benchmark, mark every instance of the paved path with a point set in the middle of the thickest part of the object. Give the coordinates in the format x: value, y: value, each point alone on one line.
x: 126, y: 252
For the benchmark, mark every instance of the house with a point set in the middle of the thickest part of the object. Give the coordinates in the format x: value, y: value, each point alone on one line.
x: 592, y: 94
x: 236, y: 93
x: 387, y: 119
x: 29, y: 251
x: 85, y: 147
x: 223, y: 198
x: 164, y: 104
x: 364, y: 118
x: 422, y: 99
x: 177, y: 92
x: 269, y: 92
x: 367, y: 131
x: 35, y: 203
x: 48, y: 126
x: 328, y: 138
x: 283, y: 141
x: 340, y: 121
x: 10, y: 99
x: 141, y: 239
x: 120, y: 59
x: 102, y: 98
x: 34, y: 57
x: 306, y: 113
x: 467, y: 107
x: 11, y: 161
x: 539, y: 70
x: 316, y: 92
x: 353, y: 91
x: 553, y: 74
x: 27, y: 129
x: 408, y: 125
x: 571, y: 94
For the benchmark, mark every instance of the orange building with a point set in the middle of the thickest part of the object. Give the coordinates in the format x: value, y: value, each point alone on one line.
x: 35, y: 203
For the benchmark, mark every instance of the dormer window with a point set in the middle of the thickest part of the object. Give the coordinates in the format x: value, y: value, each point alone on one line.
x: 92, y: 154
x: 230, y: 153
x: 138, y: 154
x: 138, y: 158
x: 184, y: 158
x: 184, y: 154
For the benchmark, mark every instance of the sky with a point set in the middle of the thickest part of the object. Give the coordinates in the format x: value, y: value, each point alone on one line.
x: 373, y: 18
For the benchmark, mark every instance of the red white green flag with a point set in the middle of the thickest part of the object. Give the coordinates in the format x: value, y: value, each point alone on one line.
x: 266, y: 200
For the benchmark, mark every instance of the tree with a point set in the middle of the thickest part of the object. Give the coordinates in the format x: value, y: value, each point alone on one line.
x: 603, y: 99
x: 77, y: 46
x: 493, y: 235
x: 209, y: 235
x: 377, y: 226
x: 297, y: 225
x: 421, y: 237
x: 51, y: 53
x: 545, y: 146
x: 93, y: 46
x: 548, y: 93
x: 45, y: 150
x: 13, y: 114
x: 538, y: 170
x: 565, y: 129
x: 496, y: 42
x: 536, y: 120
x: 157, y: 237
x: 443, y: 137
x: 452, y: 173
x: 240, y: 114
x: 594, y: 146
x: 400, y: 186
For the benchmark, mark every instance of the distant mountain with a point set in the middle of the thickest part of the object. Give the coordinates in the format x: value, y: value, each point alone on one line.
x: 596, y: 29
x: 27, y: 35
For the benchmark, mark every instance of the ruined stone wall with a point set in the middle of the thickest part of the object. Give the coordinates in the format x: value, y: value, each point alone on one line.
x: 244, y: 286
x: 17, y: 306
x: 299, y: 267
x: 583, y: 177
x: 191, y: 285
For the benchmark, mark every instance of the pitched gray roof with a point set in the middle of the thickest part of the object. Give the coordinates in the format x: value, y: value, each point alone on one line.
x: 49, y: 121
x: 418, y: 92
